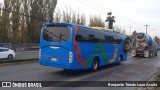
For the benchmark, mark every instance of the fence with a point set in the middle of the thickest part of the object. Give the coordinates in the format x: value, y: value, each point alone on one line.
x: 25, y: 47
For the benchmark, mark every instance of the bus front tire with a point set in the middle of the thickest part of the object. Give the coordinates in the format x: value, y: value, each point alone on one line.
x: 95, y: 65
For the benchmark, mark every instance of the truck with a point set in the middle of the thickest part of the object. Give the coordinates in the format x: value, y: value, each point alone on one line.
x: 144, y: 45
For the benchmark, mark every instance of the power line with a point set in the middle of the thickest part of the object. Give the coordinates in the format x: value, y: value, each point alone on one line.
x: 97, y: 4
x: 86, y: 4
x: 106, y: 9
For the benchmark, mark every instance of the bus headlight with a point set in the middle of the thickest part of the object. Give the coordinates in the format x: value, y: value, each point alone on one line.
x: 70, y: 57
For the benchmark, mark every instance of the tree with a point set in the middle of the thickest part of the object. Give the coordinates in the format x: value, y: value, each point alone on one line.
x: 96, y: 21
x: 57, y: 16
x: 21, y: 20
x: 5, y: 23
x: 120, y: 29
x: 69, y: 16
x: 15, y: 20
x: 157, y: 40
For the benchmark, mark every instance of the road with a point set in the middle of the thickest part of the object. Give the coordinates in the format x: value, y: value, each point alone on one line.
x: 135, y: 69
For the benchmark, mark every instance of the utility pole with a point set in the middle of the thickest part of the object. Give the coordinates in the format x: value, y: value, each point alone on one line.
x: 130, y: 29
x: 146, y: 28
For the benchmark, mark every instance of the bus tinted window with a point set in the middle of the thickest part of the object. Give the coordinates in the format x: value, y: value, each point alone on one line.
x: 99, y: 37
x: 56, y: 34
x: 109, y: 39
x: 89, y: 35
x: 91, y: 38
x: 82, y: 35
x: 79, y: 38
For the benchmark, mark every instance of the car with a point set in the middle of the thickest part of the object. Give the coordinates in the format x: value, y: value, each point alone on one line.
x: 6, y: 53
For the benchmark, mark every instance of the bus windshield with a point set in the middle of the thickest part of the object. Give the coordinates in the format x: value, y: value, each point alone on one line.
x: 56, y: 34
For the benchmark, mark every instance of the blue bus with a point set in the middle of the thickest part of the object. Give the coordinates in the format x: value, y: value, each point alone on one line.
x: 73, y: 47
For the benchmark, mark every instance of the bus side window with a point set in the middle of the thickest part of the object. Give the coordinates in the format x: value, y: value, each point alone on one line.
x: 99, y: 37
x: 91, y: 38
x: 79, y: 38
x: 109, y: 39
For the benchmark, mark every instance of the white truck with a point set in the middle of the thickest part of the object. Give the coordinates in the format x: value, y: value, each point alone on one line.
x: 143, y: 45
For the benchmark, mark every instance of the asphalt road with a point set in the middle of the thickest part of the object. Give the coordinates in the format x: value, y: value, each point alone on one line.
x: 135, y: 69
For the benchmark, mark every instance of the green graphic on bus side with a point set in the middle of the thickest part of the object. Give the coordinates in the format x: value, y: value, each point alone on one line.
x: 99, y: 47
x: 102, y: 53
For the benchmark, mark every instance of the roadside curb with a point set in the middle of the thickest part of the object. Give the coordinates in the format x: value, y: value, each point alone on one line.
x: 17, y: 61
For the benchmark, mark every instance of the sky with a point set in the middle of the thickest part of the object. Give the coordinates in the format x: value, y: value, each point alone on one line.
x: 134, y: 13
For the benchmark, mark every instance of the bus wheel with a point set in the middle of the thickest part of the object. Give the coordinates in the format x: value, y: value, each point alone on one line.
x: 95, y: 64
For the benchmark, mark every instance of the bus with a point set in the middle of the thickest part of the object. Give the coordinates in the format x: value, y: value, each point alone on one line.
x: 73, y: 47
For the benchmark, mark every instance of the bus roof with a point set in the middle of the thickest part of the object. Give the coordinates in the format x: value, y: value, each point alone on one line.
x: 93, y: 28
x: 102, y: 29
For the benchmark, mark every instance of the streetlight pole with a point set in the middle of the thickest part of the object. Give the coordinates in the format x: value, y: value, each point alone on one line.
x: 146, y: 28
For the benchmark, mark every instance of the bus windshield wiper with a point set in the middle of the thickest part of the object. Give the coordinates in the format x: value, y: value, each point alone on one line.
x: 60, y: 37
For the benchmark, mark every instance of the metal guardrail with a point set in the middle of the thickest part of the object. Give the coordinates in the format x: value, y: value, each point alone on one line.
x: 25, y: 47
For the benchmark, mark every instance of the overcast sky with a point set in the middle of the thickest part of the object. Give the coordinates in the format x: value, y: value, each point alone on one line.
x: 136, y: 13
